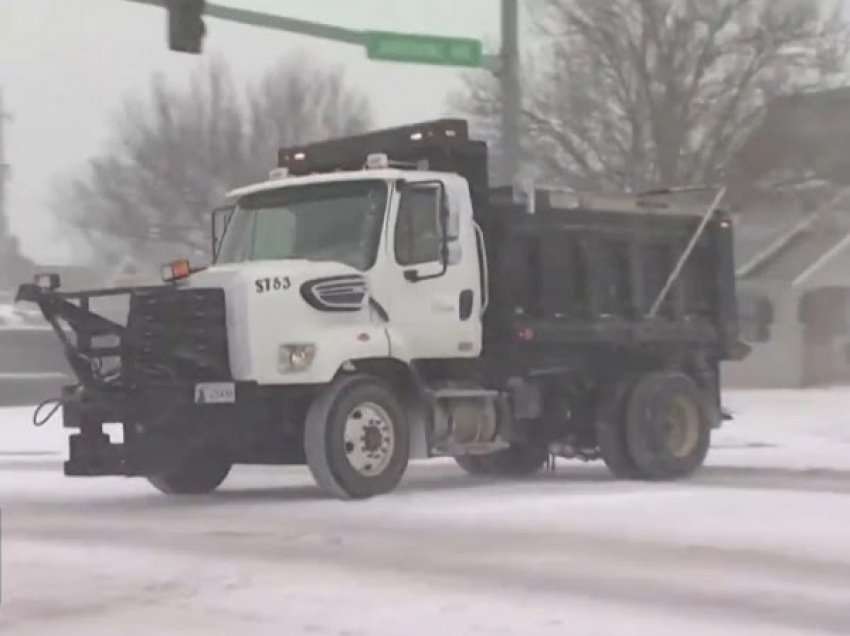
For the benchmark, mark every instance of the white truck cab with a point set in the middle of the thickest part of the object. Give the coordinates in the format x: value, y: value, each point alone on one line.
x: 345, y: 266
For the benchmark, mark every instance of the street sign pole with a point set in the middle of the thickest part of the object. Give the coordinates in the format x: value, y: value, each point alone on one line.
x: 511, y: 92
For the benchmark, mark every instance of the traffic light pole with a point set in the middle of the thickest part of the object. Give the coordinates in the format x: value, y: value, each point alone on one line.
x: 277, y: 22
x: 505, y: 66
x: 511, y: 91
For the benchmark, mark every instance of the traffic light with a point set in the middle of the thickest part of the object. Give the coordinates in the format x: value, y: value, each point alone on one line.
x: 186, y: 28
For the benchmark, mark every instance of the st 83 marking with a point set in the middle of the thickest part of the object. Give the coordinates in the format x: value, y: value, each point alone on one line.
x: 272, y: 283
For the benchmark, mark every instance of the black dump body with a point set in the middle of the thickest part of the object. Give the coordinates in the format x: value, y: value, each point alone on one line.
x: 588, y: 275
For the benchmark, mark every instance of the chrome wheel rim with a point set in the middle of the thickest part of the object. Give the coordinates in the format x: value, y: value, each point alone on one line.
x: 369, y: 439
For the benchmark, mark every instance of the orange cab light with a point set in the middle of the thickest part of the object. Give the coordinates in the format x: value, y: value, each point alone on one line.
x: 176, y: 270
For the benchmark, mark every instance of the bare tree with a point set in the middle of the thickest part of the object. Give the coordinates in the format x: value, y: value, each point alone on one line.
x: 635, y: 94
x: 175, y: 153
x: 294, y: 104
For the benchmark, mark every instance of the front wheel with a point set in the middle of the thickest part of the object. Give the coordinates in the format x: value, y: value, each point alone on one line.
x: 356, y: 438
x: 198, y: 474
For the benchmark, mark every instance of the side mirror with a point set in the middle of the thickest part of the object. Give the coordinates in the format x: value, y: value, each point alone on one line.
x: 445, y: 219
x: 219, y: 220
x: 451, y: 232
x: 448, y: 228
x: 452, y: 222
x: 455, y: 252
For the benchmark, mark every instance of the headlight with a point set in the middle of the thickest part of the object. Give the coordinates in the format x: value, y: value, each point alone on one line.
x: 295, y: 357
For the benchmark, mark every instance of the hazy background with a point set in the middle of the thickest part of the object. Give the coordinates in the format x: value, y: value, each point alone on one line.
x: 68, y: 66
x: 65, y: 67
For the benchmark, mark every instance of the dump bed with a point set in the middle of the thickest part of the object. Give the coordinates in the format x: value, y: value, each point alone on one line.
x: 591, y: 270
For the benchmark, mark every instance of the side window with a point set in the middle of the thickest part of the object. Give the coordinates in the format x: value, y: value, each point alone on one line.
x: 417, y: 231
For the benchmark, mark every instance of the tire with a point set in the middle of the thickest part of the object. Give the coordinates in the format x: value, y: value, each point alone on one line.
x: 200, y: 473
x: 520, y: 460
x: 611, y: 431
x: 667, y: 425
x: 356, y: 438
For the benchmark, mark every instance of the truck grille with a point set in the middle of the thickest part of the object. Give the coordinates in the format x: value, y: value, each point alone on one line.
x: 174, y: 335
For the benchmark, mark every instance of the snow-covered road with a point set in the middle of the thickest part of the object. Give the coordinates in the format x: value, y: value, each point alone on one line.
x: 757, y: 543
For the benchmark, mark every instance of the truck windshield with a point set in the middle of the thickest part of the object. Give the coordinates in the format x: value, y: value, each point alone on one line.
x: 339, y: 221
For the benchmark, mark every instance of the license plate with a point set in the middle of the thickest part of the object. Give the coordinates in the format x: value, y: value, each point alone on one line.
x: 215, y: 393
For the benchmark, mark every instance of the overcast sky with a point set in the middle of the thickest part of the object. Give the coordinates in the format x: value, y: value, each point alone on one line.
x: 65, y: 66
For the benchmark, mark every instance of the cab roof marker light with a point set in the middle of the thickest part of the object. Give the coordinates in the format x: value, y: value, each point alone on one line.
x: 299, y: 156
x: 451, y: 133
x: 377, y: 161
x: 417, y: 136
x: 176, y: 270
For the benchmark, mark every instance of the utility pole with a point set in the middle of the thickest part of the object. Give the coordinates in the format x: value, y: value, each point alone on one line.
x: 511, y: 91
x: 4, y: 169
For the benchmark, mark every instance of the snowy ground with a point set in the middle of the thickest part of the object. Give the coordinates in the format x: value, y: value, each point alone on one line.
x: 757, y: 544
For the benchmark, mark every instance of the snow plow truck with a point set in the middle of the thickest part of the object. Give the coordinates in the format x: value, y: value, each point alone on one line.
x: 376, y: 300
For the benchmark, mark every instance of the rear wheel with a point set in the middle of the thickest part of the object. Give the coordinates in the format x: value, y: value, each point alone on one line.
x: 357, y: 439
x: 200, y: 473
x: 667, y: 426
x: 517, y: 461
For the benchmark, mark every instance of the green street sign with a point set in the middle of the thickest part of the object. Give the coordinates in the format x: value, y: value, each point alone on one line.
x: 423, y: 49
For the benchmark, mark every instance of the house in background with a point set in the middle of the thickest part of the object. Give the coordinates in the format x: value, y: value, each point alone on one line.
x: 793, y: 245
x: 794, y: 297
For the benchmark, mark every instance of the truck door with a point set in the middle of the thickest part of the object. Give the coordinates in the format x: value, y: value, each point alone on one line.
x: 435, y: 308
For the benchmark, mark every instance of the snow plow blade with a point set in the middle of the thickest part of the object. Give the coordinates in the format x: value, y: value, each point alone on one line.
x: 143, y: 375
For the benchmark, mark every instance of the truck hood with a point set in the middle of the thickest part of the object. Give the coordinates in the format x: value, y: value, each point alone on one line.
x: 266, y: 308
